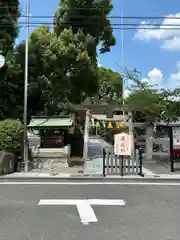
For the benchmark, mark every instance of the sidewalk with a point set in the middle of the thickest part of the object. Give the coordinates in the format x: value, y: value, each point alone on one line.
x: 22, y: 176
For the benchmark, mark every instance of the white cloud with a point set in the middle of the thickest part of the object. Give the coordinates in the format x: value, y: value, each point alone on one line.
x: 99, y: 65
x: 172, y: 44
x: 146, y: 32
x: 155, y: 76
x: 126, y: 93
x: 145, y: 80
x: 175, y: 77
x: 167, y: 32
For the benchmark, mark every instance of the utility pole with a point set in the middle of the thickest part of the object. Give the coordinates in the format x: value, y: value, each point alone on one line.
x: 130, y: 117
x: 25, y: 149
x: 86, y: 136
x: 122, y: 55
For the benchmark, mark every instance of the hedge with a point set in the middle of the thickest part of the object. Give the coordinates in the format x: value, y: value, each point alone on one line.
x: 11, y: 135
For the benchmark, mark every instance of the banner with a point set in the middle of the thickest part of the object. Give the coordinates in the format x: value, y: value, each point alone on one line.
x: 110, y: 125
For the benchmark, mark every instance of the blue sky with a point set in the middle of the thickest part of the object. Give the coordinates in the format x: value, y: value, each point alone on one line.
x: 155, y: 53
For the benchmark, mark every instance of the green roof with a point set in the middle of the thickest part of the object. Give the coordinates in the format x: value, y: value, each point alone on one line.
x: 50, y: 122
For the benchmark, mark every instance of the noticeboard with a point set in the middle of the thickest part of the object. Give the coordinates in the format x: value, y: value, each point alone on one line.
x: 176, y: 137
x: 123, y: 144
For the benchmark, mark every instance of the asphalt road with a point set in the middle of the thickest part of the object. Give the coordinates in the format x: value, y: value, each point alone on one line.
x: 151, y: 213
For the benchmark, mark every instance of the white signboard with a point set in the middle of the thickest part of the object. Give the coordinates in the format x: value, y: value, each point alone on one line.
x: 86, y: 212
x: 94, y: 166
x: 176, y: 137
x: 161, y: 147
x: 123, y: 144
x: 2, y: 61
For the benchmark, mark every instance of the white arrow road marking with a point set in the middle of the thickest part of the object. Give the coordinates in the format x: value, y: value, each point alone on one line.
x: 84, y: 208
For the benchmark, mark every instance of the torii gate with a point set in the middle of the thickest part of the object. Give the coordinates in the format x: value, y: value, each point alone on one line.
x: 110, y: 110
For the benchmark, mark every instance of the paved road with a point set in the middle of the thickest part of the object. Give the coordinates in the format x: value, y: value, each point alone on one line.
x: 151, y: 213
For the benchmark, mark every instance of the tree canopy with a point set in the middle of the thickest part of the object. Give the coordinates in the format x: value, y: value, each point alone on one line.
x: 63, y: 65
x: 9, y: 14
x: 91, y: 17
x: 149, y: 103
x: 110, y: 89
x: 60, y: 70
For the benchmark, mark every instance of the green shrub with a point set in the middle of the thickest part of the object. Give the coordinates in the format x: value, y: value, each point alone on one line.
x: 11, y: 135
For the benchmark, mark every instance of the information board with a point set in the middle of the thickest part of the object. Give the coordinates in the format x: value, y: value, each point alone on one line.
x: 176, y: 137
x: 123, y: 144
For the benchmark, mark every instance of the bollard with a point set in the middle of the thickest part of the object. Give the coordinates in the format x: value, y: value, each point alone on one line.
x: 52, y: 169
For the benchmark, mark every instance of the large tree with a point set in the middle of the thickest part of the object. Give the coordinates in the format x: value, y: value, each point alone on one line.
x: 9, y: 14
x: 60, y: 69
x: 89, y: 15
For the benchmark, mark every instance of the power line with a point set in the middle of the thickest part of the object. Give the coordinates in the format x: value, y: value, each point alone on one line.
x: 7, y: 7
x: 90, y: 24
x: 119, y: 28
x: 118, y: 17
x: 126, y: 26
x: 109, y: 17
x: 112, y: 24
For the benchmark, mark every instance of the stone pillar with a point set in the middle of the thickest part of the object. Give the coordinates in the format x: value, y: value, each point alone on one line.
x: 149, y: 143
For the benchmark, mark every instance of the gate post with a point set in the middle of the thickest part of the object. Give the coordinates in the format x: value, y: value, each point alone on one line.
x: 140, y: 162
x: 104, y: 162
x: 171, y: 149
x: 122, y: 165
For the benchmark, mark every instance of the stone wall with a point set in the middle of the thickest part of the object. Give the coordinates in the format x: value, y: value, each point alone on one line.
x: 7, y: 162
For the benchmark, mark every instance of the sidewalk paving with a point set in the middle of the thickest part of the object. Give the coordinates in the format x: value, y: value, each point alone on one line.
x: 67, y: 176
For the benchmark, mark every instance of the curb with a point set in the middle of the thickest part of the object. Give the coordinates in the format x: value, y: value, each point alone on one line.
x: 150, y: 179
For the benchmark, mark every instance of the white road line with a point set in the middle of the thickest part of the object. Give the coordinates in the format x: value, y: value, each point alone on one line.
x: 102, y: 202
x: 107, y: 202
x: 86, y: 212
x: 48, y: 202
x: 94, y: 183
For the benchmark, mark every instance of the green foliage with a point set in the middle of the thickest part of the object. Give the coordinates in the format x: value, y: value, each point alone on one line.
x: 9, y: 89
x: 62, y: 64
x: 89, y: 15
x: 60, y: 69
x: 152, y: 104
x: 11, y: 133
x: 9, y: 14
x: 147, y: 102
x: 110, y: 90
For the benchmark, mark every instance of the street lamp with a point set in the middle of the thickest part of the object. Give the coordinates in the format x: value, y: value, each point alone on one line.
x: 25, y: 145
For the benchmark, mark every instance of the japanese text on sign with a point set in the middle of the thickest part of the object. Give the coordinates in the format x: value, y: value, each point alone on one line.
x: 122, y: 144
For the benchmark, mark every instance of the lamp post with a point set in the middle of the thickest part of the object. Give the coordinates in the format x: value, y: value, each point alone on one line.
x: 25, y: 146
